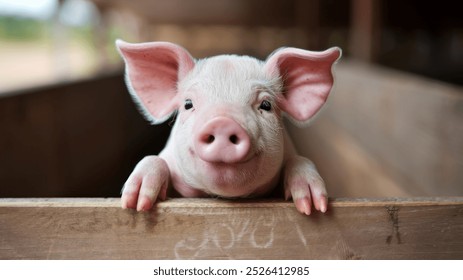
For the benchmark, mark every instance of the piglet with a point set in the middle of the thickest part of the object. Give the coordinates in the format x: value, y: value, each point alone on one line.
x: 228, y: 139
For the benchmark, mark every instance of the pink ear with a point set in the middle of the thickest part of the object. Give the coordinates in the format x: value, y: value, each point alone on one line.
x: 152, y: 72
x: 307, y: 79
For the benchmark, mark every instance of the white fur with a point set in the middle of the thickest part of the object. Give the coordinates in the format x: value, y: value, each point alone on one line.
x: 232, y: 86
x: 229, y: 85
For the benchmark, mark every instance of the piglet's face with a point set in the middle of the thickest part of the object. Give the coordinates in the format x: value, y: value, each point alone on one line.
x: 228, y: 135
x: 228, y: 138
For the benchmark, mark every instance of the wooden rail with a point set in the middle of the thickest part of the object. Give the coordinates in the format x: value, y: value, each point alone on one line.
x: 418, y: 228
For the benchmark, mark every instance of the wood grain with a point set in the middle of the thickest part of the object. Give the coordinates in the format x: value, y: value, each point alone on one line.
x: 426, y: 228
x: 387, y: 133
x: 76, y: 138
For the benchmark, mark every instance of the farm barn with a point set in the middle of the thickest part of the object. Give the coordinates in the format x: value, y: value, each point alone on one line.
x: 389, y: 143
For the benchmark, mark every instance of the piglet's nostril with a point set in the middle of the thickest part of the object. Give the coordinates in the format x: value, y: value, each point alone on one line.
x: 234, y: 139
x: 222, y: 139
x: 210, y: 139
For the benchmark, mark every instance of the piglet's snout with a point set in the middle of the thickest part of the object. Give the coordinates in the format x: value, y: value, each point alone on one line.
x: 222, y: 140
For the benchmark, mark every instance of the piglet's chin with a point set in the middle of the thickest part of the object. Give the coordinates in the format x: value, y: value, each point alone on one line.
x: 230, y: 180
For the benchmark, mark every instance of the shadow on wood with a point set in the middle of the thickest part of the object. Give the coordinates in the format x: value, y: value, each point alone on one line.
x: 79, y: 138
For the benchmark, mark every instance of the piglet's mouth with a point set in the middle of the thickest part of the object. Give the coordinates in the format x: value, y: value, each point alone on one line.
x: 226, y: 163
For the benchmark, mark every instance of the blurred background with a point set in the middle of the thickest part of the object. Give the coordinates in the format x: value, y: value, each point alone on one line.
x: 67, y: 124
x: 43, y: 41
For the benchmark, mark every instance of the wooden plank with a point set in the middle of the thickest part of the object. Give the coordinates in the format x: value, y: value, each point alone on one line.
x: 387, y: 133
x: 76, y: 138
x: 346, y: 167
x: 411, y: 125
x: 428, y: 228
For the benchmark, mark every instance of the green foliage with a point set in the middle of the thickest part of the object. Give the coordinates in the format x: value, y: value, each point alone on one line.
x: 22, y: 29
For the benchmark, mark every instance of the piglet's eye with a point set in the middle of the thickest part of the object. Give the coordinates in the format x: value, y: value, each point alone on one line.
x: 265, y: 105
x: 188, y: 104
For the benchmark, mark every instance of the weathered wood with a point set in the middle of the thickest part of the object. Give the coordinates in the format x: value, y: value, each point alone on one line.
x: 76, y: 138
x: 346, y: 167
x: 387, y: 133
x: 220, y: 229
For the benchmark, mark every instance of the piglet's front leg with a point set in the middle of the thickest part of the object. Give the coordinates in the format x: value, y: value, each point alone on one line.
x: 148, y: 181
x: 303, y: 183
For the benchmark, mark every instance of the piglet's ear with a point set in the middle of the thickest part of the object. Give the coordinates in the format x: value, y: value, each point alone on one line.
x: 307, y: 79
x: 152, y: 72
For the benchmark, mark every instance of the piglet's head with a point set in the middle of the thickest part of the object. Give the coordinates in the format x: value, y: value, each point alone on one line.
x: 153, y: 71
x: 229, y: 109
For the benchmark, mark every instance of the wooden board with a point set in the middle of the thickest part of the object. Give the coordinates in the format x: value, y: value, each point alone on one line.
x: 417, y: 228
x: 387, y: 133
x: 76, y: 138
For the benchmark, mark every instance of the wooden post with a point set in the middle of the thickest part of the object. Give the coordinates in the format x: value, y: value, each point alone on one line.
x: 364, y: 37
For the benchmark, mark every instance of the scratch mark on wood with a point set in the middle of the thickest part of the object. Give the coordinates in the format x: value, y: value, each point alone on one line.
x: 393, y: 212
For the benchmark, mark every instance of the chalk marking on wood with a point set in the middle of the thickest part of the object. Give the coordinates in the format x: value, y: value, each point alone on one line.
x: 268, y: 223
x: 217, y: 240
x: 300, y: 234
x: 225, y: 236
x: 196, y: 250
